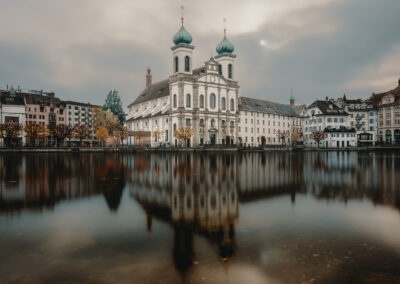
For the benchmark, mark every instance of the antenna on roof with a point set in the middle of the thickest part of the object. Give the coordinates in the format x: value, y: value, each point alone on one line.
x: 224, y: 27
x: 182, y: 8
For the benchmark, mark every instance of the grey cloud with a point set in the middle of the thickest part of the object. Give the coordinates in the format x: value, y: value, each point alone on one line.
x: 334, y: 43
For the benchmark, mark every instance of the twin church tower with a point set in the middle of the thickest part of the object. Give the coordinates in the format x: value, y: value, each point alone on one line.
x: 183, y: 52
x: 204, y: 99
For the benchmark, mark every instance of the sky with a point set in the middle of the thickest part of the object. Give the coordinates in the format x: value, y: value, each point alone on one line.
x: 311, y: 48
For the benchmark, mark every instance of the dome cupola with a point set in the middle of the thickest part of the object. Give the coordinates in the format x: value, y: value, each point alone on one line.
x: 182, y: 36
x: 225, y: 46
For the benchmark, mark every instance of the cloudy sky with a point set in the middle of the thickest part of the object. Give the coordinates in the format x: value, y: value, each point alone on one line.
x: 316, y: 48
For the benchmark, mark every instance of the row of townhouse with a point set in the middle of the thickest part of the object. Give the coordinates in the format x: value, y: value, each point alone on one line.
x: 354, y: 122
x: 42, y: 108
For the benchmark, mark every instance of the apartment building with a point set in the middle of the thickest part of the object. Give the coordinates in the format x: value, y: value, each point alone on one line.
x: 363, y: 117
x: 321, y: 116
x: 260, y: 122
x: 388, y: 106
x: 44, y: 108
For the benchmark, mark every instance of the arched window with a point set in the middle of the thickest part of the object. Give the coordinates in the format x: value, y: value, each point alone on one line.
x: 187, y: 100
x: 220, y: 69
x: 187, y: 64
x: 201, y: 101
x: 230, y: 71
x: 176, y: 64
x: 232, y: 105
x: 212, y: 101
x: 223, y: 106
x: 175, y: 101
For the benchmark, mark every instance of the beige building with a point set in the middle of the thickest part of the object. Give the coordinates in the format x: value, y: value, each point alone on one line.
x: 388, y: 105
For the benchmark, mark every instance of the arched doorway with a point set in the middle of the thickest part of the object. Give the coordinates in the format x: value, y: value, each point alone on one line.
x: 388, y: 136
x: 397, y: 136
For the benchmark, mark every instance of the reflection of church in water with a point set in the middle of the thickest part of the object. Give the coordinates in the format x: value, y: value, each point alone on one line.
x: 200, y: 194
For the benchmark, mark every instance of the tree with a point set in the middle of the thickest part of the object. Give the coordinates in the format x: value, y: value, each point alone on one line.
x: 34, y: 131
x: 60, y: 131
x: 158, y: 133
x: 123, y: 132
x: 282, y: 135
x: 101, y: 134
x: 183, y: 134
x: 113, y: 103
x: 263, y: 140
x: 111, y: 122
x: 81, y: 132
x: 11, y: 130
x: 318, y: 136
x: 98, y: 117
x: 294, y: 137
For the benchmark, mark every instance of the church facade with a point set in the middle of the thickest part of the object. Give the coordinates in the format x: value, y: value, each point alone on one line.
x: 204, y: 99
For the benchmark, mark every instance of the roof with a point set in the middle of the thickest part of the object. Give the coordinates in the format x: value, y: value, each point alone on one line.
x: 81, y: 104
x: 152, y: 92
x: 298, y: 108
x: 39, y: 99
x: 328, y: 107
x: 376, y: 98
x: 7, y: 99
x: 249, y: 104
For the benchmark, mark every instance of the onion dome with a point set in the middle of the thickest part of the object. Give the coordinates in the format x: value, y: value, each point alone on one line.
x: 182, y: 36
x: 225, y: 46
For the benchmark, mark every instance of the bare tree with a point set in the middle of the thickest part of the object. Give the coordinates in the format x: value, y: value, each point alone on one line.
x: 318, y: 136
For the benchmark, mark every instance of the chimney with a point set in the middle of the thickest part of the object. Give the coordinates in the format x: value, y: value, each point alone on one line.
x: 326, y: 99
x: 148, y: 78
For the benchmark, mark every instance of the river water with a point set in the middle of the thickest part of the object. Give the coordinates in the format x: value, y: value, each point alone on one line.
x: 315, y: 217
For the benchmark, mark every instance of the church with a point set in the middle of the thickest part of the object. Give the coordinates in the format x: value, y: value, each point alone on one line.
x: 204, y: 99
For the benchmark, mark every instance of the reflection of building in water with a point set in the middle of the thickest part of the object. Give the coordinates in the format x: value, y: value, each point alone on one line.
x: 197, y: 190
x: 268, y: 174
x: 196, y: 194
x: 30, y: 181
x: 353, y: 175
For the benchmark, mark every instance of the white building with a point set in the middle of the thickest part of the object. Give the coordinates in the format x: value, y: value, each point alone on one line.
x: 204, y: 99
x: 12, y: 108
x: 363, y: 117
x: 321, y: 115
x: 260, y: 122
x: 340, y: 138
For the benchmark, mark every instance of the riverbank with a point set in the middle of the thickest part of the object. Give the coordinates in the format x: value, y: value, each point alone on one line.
x: 196, y: 149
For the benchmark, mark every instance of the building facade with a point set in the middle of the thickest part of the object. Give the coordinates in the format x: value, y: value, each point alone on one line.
x: 363, y: 117
x: 44, y: 108
x: 204, y: 99
x: 265, y: 123
x: 388, y: 106
x: 12, y: 109
x: 321, y: 116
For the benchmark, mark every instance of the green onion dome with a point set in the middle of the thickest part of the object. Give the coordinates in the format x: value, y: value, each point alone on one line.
x: 182, y: 36
x: 225, y: 46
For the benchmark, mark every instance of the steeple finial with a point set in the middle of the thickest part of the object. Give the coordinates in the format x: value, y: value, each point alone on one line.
x: 224, y: 27
x: 182, y: 8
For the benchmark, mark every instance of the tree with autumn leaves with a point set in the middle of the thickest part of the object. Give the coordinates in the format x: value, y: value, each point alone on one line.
x: 10, y: 131
x: 183, y: 134
x: 60, y: 132
x: 101, y: 134
x: 34, y: 131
